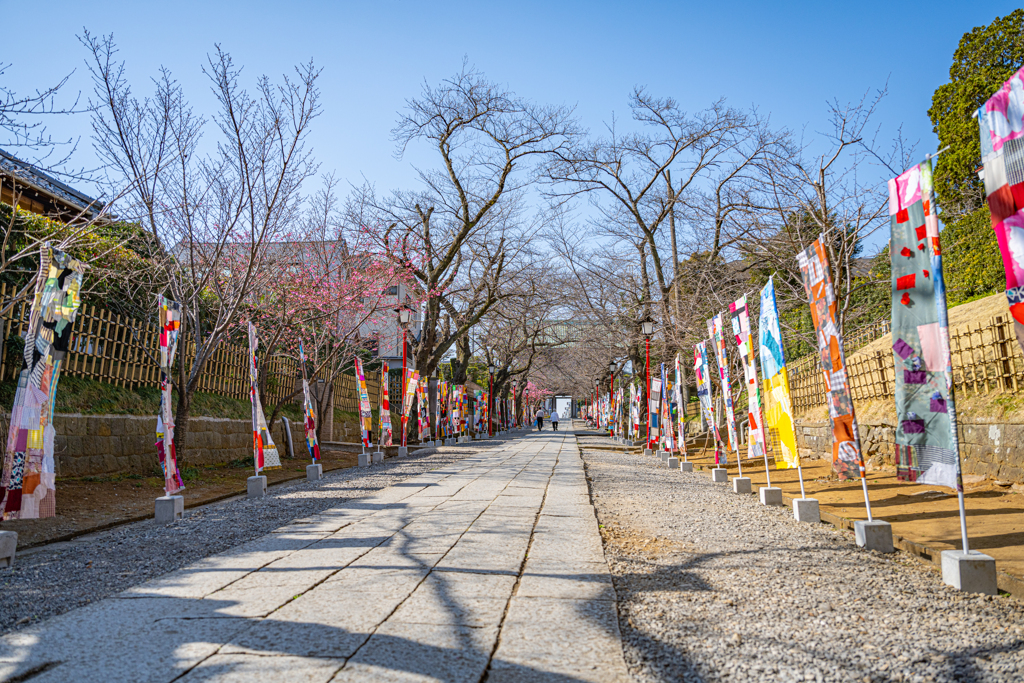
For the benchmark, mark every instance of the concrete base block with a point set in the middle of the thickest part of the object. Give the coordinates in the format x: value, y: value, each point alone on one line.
x: 806, y: 510
x: 663, y: 455
x: 720, y: 475
x: 686, y: 467
x: 364, y: 460
x: 648, y: 451
x: 741, y: 484
x: 771, y: 495
x: 377, y: 456
x: 169, y: 509
x: 673, y: 463
x: 314, y: 472
x: 969, y: 572
x: 8, y: 547
x: 403, y: 451
x: 256, y: 487
x: 874, y: 535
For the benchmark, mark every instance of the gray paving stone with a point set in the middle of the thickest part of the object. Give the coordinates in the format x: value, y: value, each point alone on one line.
x: 422, y: 652
x: 543, y: 638
x: 567, y: 580
x: 245, y: 668
x: 103, y: 642
x: 411, y: 583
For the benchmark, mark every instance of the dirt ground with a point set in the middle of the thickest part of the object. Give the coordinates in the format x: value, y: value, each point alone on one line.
x: 921, y: 514
x: 88, y: 504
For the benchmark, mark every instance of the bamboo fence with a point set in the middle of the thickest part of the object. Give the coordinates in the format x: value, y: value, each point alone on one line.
x: 986, y: 358
x: 117, y: 350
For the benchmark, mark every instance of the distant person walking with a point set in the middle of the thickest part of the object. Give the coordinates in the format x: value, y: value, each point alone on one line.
x: 540, y: 419
x: 554, y: 420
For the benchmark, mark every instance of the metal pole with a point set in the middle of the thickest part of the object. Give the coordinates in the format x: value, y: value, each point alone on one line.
x: 405, y: 420
x: 963, y: 523
x: 648, y: 369
x: 490, y: 402
x: 867, y: 501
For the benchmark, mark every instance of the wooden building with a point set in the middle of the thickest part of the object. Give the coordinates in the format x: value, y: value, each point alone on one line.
x: 36, y: 191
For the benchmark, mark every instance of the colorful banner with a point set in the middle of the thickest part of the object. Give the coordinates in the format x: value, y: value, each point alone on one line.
x: 756, y: 437
x: 386, y: 434
x: 620, y: 411
x: 779, y: 405
x: 927, y: 450
x: 312, y: 441
x: 1001, y: 125
x: 654, y: 409
x: 264, y: 452
x: 365, y: 415
x: 423, y: 413
x: 717, y: 333
x: 847, y: 460
x: 169, y: 313
x: 680, y: 407
x: 703, y: 375
x: 668, y: 439
x: 412, y: 379
x: 439, y: 410
x: 634, y: 412
x: 27, y: 486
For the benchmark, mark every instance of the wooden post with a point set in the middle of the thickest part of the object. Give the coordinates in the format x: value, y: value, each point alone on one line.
x: 1004, y: 359
x: 880, y: 357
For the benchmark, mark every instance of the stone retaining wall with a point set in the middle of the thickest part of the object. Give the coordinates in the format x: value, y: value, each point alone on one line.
x: 989, y: 447
x: 106, y: 444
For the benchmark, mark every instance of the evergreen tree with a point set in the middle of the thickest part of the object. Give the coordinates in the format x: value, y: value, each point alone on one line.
x: 985, y: 58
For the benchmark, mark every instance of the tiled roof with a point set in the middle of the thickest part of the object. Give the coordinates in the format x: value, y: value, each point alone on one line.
x: 33, y: 177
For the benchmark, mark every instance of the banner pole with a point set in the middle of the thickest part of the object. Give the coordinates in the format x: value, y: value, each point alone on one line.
x: 867, y: 501
x: 963, y: 522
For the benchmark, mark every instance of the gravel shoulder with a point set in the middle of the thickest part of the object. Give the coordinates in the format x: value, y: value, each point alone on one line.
x: 60, y: 577
x: 712, y: 586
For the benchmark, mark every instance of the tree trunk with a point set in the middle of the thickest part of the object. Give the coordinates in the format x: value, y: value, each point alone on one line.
x: 182, y: 413
x: 460, y: 364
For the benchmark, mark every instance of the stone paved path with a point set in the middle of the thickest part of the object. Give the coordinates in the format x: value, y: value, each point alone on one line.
x: 488, y: 570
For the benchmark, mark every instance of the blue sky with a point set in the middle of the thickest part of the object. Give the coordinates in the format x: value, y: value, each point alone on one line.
x: 788, y: 59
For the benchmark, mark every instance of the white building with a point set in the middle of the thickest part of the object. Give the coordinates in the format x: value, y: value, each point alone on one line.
x: 384, y: 327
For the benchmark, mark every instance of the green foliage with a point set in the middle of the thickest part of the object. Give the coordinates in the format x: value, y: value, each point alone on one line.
x: 972, y: 264
x: 476, y: 371
x: 112, y: 250
x: 985, y: 58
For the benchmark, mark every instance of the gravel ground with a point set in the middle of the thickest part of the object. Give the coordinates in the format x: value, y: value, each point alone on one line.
x: 60, y: 577
x: 713, y: 586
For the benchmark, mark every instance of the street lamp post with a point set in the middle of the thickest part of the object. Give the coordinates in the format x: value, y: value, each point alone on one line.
x: 647, y: 327
x: 490, y: 399
x: 404, y: 314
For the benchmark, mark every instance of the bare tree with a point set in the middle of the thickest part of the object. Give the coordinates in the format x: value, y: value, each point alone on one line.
x: 838, y: 193
x: 210, y: 209
x: 23, y: 119
x: 457, y: 235
x: 703, y: 170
